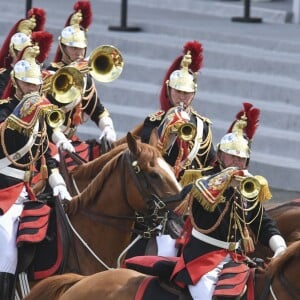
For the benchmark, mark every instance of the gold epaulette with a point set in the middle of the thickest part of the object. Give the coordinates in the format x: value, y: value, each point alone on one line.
x: 57, y: 65
x: 2, y: 70
x: 191, y: 175
x: 204, y: 119
x: 157, y: 116
x: 264, y: 192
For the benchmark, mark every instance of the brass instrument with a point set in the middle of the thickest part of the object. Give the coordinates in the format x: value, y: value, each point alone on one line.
x: 187, y: 131
x: 55, y: 117
x: 65, y: 85
x: 251, y: 186
x: 104, y: 64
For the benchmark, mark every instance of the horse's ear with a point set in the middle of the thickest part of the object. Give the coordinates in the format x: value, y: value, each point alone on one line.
x: 132, y: 143
x: 154, y: 137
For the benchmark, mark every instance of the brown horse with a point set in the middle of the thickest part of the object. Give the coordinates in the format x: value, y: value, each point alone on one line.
x: 287, y: 218
x: 133, y: 182
x: 130, y: 182
x: 278, y: 281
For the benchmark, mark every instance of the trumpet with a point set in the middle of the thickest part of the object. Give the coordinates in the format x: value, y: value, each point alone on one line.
x: 185, y: 131
x: 55, y: 117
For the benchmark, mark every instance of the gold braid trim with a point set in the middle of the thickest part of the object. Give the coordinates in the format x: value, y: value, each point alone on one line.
x: 190, y: 176
x: 38, y: 154
x: 215, y: 226
x: 205, y: 203
x: 91, y: 92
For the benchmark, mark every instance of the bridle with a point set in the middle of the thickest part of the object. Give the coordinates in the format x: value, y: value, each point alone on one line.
x: 156, y: 206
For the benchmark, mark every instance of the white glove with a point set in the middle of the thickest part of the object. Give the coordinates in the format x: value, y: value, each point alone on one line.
x: 277, y: 244
x: 58, y: 185
x: 66, y: 145
x: 61, y: 141
x: 107, y: 128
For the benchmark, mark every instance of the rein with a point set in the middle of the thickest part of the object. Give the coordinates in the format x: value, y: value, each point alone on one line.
x: 145, y: 189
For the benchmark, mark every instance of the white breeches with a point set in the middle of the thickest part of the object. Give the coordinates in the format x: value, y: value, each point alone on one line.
x: 8, y: 231
x: 204, y: 288
x: 166, y: 245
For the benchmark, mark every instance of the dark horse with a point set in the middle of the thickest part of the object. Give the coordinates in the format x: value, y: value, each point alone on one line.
x: 130, y: 182
x: 278, y: 281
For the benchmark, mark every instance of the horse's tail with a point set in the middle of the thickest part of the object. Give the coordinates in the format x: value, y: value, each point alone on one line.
x: 53, y: 287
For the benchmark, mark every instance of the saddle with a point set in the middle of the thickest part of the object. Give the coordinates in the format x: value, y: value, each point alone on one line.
x: 234, y: 280
x: 42, y: 244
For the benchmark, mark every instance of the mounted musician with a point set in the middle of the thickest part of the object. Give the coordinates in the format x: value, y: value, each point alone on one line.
x: 24, y: 148
x: 70, y: 85
x: 185, y: 136
x: 22, y: 34
x: 193, y: 150
x: 223, y: 208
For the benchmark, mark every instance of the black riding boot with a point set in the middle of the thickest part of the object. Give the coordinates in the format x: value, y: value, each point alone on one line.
x: 7, y: 286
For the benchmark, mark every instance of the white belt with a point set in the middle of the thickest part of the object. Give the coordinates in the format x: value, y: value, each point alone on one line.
x: 4, y: 162
x: 214, y: 242
x: 12, y: 172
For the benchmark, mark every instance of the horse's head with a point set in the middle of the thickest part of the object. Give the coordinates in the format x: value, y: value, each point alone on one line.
x: 153, y: 177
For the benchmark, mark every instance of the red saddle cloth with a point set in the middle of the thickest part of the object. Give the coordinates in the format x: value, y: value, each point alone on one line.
x: 33, y: 222
x: 233, y: 280
x: 39, y: 241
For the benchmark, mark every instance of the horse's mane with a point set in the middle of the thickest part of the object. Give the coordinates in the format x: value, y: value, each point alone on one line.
x: 293, y: 251
x: 90, y: 168
x: 147, y: 155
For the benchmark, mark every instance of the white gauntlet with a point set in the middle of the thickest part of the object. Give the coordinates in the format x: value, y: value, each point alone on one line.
x: 107, y: 128
x: 277, y: 244
x: 58, y: 185
x: 61, y: 141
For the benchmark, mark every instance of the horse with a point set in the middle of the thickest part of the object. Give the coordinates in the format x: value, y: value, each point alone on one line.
x: 131, y: 182
x: 279, y: 280
x: 287, y: 218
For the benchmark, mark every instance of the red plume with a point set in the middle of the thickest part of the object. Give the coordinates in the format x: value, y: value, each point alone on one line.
x: 252, y: 115
x: 86, y: 10
x: 87, y: 15
x: 9, y: 90
x: 196, y: 50
x: 40, y: 16
x: 44, y: 40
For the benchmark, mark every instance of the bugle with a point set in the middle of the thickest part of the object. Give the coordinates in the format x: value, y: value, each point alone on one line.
x: 55, y: 117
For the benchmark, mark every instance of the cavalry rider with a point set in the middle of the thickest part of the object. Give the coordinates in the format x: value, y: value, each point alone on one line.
x: 222, y: 210
x: 185, y: 156
x: 72, y: 48
x: 20, y: 36
x: 24, y: 147
x: 178, y: 91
